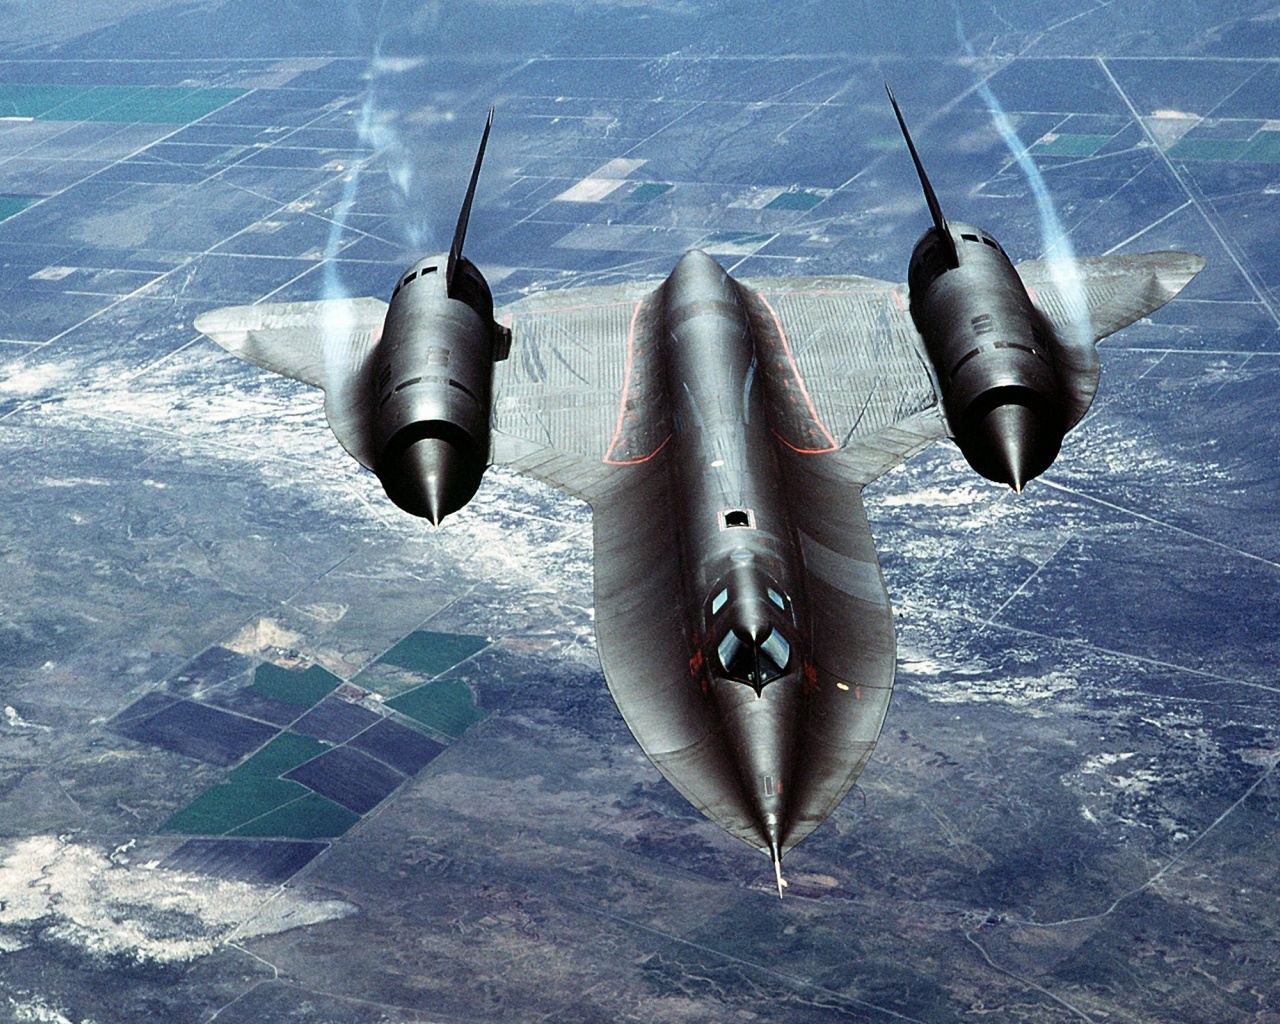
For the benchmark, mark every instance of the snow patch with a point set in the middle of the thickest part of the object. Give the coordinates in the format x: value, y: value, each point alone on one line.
x: 947, y: 687
x: 74, y: 481
x: 1100, y: 762
x: 923, y: 667
x: 939, y: 497
x: 25, y: 381
x: 107, y: 907
x: 16, y: 721
x: 36, y: 1009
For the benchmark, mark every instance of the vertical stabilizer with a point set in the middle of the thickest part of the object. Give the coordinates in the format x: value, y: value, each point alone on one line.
x: 930, y: 197
x: 460, y: 232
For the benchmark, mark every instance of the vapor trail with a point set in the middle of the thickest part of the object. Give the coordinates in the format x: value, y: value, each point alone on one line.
x: 374, y: 131
x: 339, y: 322
x: 1058, y: 249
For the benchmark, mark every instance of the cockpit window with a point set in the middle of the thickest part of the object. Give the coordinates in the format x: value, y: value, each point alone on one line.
x: 776, y: 649
x: 735, y: 657
x: 777, y: 599
x: 719, y: 600
x: 747, y: 663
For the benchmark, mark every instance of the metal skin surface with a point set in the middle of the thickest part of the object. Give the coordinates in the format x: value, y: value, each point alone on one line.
x: 993, y: 353
x: 735, y: 538
x: 767, y: 758
x: 722, y: 433
x: 433, y: 382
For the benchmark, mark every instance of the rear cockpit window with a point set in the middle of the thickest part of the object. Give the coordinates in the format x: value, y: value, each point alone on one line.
x: 410, y: 276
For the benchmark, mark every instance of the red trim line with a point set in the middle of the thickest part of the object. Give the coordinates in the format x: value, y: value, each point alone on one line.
x: 626, y: 388
x: 786, y: 347
x: 636, y: 462
x: 802, y: 451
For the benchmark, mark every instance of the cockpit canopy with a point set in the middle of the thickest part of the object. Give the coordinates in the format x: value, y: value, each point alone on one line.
x: 749, y: 620
x: 754, y: 662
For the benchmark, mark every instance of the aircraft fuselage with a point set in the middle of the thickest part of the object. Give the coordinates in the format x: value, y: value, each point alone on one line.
x: 737, y: 543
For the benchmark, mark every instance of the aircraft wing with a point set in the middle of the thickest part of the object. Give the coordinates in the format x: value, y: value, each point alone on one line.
x: 557, y: 397
x: 559, y: 412
x: 850, y: 373
x: 325, y: 344
x: 1115, y: 291
x: 849, y: 359
x: 848, y: 356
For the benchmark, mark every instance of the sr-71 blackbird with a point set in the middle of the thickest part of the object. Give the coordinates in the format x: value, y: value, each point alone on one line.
x: 722, y: 432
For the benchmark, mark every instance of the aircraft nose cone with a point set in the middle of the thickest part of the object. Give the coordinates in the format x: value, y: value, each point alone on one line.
x: 697, y: 260
x: 1016, y: 445
x: 431, y: 478
x: 698, y: 278
x: 762, y: 735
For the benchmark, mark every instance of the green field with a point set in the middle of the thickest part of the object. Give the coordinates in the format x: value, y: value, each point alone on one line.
x: 220, y: 809
x: 304, y: 689
x: 649, y: 191
x: 144, y: 105
x: 800, y: 199
x: 256, y: 801
x: 280, y: 755
x: 741, y: 239
x: 433, y: 653
x: 1263, y: 148
x: 9, y: 205
x: 1207, y: 149
x: 445, y: 706
x: 251, y: 803
x: 311, y: 817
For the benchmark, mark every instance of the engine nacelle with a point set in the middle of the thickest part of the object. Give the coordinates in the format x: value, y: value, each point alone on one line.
x: 433, y: 385
x: 993, y: 353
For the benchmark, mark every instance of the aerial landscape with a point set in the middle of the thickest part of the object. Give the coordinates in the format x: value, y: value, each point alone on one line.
x: 272, y: 749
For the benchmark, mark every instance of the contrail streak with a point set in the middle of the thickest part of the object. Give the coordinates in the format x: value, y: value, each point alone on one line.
x: 376, y: 131
x: 1058, y: 249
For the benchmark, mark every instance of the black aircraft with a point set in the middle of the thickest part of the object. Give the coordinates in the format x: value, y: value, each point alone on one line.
x: 722, y: 432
